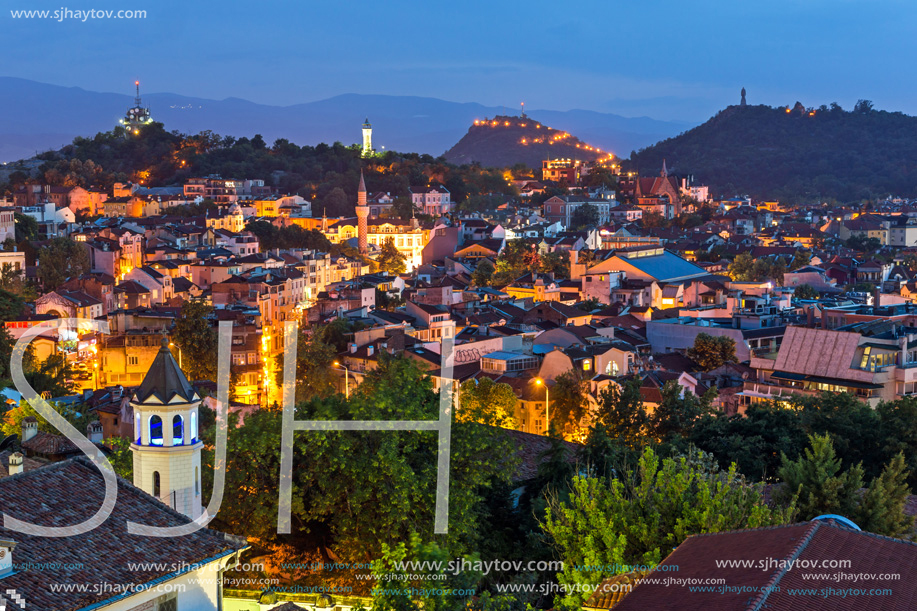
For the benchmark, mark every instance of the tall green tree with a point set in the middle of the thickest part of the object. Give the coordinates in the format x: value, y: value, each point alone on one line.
x: 584, y: 217
x: 639, y: 516
x: 61, y: 259
x: 487, y: 402
x: 196, y: 341
x: 390, y: 259
x: 818, y: 482
x: 711, y: 351
x: 622, y: 414
x: 569, y: 401
x: 483, y: 273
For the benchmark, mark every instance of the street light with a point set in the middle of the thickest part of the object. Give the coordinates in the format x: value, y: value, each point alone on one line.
x: 547, y: 403
x: 346, y: 378
x: 179, y: 354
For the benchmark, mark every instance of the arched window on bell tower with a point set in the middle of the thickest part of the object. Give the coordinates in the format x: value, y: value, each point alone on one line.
x: 155, y: 431
x: 178, y: 430
x: 157, y: 488
x: 137, y: 428
x: 193, y: 426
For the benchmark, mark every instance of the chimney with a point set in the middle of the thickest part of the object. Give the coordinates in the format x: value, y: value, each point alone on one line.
x: 876, y: 297
x: 353, y: 348
x: 15, y: 463
x: 94, y: 432
x: 117, y: 392
x: 29, y: 428
x: 810, y: 317
x: 369, y: 350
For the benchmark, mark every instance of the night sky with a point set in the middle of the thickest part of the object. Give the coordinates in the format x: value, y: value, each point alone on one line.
x: 668, y: 59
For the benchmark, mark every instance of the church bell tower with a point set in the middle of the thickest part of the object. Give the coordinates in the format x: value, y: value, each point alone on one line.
x: 166, y: 447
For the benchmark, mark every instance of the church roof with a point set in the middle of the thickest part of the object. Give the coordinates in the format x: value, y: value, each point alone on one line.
x: 165, y: 379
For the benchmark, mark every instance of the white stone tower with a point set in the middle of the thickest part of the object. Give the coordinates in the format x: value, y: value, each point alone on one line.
x: 166, y: 447
x: 367, y: 138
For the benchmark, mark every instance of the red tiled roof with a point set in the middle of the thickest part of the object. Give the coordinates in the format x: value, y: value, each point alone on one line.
x: 808, y: 542
x: 49, y: 444
x: 46, y: 497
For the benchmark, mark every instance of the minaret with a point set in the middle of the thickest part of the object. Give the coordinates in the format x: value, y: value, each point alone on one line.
x: 367, y: 138
x: 362, y: 214
x: 166, y: 447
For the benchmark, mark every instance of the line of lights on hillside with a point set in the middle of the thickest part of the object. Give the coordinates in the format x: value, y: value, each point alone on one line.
x: 557, y: 137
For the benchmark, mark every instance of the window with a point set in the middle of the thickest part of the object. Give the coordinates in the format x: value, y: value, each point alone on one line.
x: 155, y: 430
x: 133, y: 360
x: 156, y: 484
x: 137, y: 428
x: 178, y: 430
x: 197, y: 481
x: 193, y: 426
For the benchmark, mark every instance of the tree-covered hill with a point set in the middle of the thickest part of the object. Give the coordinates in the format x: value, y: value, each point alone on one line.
x: 507, y: 141
x: 327, y: 174
x: 795, y: 154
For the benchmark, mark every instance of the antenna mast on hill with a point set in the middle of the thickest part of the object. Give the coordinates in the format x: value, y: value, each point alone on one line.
x: 523, y: 110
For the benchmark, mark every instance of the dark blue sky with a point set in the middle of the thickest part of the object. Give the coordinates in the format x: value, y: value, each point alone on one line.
x: 669, y: 59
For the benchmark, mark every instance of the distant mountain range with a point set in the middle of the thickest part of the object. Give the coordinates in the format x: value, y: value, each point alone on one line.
x: 795, y: 154
x: 39, y: 117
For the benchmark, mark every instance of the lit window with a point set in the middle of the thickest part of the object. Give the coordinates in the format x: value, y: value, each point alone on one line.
x: 155, y: 430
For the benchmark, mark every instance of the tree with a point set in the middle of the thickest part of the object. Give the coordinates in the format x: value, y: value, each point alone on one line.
x: 882, y: 507
x: 584, y: 217
x: 487, y: 402
x: 11, y: 305
x: 742, y: 267
x: 12, y: 420
x: 805, y: 291
x: 569, y: 401
x: 711, y: 351
x: 816, y: 481
x: 679, y: 411
x: 483, y: 273
x: 801, y: 258
x: 337, y: 203
x: 639, y: 516
x: 26, y: 227
x: 197, y: 340
x: 61, y: 260
x: 622, y: 414
x: 823, y: 488
x: 315, y: 356
x: 403, y: 208
x: 340, y: 478
x: 390, y: 259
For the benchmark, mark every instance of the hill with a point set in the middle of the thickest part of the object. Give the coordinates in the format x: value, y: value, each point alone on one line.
x: 43, y: 117
x: 795, y: 154
x: 506, y: 141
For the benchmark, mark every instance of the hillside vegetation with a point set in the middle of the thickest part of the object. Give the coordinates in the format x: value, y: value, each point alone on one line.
x: 506, y: 141
x: 796, y: 155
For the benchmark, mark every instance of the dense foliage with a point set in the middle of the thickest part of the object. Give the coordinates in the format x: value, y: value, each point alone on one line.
x: 326, y: 174
x: 771, y: 153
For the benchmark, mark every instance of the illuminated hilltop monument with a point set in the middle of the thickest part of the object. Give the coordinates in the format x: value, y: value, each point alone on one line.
x: 367, y: 138
x: 137, y: 116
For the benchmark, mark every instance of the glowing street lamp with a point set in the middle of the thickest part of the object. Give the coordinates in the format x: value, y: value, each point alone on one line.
x: 346, y: 378
x: 547, y: 403
x: 179, y: 354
